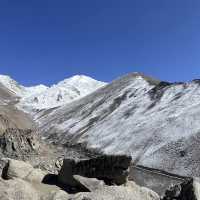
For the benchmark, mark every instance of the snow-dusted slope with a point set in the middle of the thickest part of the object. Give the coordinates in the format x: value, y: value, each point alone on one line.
x: 12, y: 85
x: 10, y: 116
x: 43, y: 97
x: 157, y: 123
x: 19, y: 90
x: 62, y: 93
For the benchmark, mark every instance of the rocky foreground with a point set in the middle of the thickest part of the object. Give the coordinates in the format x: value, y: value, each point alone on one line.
x: 20, y: 181
x: 101, y: 178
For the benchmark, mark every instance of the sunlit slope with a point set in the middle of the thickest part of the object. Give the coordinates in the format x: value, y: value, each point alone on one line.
x: 158, y: 123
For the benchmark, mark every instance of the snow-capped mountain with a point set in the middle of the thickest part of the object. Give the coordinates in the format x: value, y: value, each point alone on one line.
x: 158, y: 123
x: 62, y: 93
x: 43, y: 97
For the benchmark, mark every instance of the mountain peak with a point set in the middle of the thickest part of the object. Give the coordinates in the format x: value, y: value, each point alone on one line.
x: 5, y: 79
x: 68, y: 90
x: 79, y: 79
x: 149, y: 79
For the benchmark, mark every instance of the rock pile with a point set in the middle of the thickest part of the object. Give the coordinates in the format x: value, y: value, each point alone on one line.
x: 23, y: 182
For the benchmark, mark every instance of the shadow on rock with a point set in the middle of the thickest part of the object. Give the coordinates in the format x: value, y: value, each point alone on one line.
x: 52, y: 179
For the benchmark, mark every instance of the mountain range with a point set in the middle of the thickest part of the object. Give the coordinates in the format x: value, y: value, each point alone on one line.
x: 96, y: 129
x: 155, y: 122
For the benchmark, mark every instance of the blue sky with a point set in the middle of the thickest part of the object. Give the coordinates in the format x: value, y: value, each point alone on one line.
x: 44, y: 41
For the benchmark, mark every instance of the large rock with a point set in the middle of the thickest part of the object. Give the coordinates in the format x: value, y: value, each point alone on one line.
x: 21, y: 178
x: 17, y: 189
x: 23, y: 170
x: 188, y: 190
x: 111, y: 169
x: 129, y: 192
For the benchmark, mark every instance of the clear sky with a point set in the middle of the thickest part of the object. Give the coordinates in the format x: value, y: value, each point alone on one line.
x: 44, y: 41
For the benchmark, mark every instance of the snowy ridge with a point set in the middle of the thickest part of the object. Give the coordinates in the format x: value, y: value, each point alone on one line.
x: 12, y: 85
x: 43, y: 97
x: 18, y: 89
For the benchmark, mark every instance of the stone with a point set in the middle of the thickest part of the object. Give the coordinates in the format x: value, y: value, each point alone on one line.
x: 112, y: 169
x: 17, y: 189
x: 56, y: 195
x: 23, y: 170
x: 128, y: 192
x: 3, y: 164
x: 91, y: 184
x: 37, y: 175
x: 18, y: 169
x: 188, y: 190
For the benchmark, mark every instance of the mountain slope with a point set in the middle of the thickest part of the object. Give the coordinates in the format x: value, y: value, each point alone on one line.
x: 10, y: 116
x: 158, y: 123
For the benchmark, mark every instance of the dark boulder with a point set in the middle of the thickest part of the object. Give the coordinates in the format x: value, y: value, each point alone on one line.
x: 188, y: 190
x: 109, y: 168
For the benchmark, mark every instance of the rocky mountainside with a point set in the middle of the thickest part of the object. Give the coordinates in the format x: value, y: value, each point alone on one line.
x: 10, y: 116
x: 19, y: 136
x: 155, y: 122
